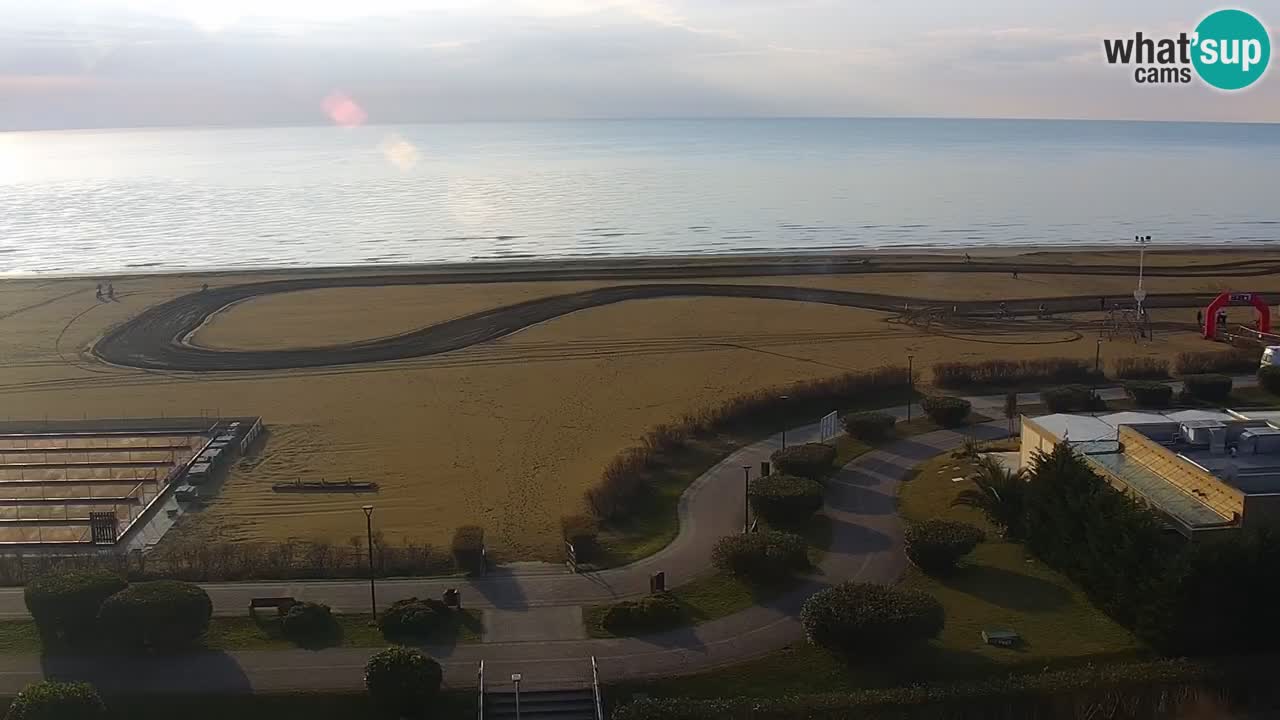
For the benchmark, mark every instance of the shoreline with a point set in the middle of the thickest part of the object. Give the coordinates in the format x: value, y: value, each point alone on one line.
x: 535, y: 269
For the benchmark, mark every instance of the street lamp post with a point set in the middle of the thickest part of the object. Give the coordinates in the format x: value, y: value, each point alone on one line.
x: 515, y: 680
x: 911, y: 384
x: 784, y: 421
x: 746, y: 498
x: 1141, y: 294
x: 373, y: 597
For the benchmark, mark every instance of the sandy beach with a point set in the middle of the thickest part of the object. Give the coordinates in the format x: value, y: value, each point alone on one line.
x: 508, y: 433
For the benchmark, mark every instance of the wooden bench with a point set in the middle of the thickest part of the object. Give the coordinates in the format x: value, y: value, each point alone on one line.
x: 281, y: 604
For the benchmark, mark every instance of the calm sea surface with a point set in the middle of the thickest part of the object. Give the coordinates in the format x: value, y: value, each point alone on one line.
x: 98, y: 201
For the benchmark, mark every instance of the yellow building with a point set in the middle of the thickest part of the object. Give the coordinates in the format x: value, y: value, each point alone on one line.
x: 1206, y: 472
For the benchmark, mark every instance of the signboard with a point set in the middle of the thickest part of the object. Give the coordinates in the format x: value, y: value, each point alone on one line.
x: 827, y: 427
x: 1242, y: 297
x: 1139, y: 294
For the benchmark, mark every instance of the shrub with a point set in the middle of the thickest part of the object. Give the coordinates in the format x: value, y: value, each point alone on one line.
x: 1149, y: 394
x: 402, y: 682
x: 468, y: 548
x: 868, y: 426
x: 1011, y: 372
x: 764, y: 556
x: 66, y: 604
x: 413, y: 618
x: 1210, y: 388
x: 944, y: 410
x: 865, y: 617
x: 162, y: 614
x: 1000, y: 494
x: 1217, y: 361
x: 307, y: 621
x: 583, y: 532
x: 50, y: 700
x: 811, y: 460
x: 935, y: 546
x: 1269, y: 378
x: 648, y: 614
x: 785, y: 499
x: 1071, y: 398
x: 1140, y: 368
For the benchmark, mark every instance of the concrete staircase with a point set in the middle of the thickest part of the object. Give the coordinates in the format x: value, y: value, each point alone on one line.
x: 541, y: 705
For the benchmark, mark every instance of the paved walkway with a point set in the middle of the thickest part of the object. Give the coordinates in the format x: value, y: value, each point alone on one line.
x: 865, y: 545
x: 531, y: 607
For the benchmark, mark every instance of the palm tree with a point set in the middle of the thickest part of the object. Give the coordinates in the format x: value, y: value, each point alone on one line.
x: 999, y: 495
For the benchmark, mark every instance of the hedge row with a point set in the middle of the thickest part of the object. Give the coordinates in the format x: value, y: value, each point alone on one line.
x: 1237, y: 360
x: 1269, y: 378
x: 1140, y: 368
x: 402, y: 683
x: 1139, y: 691
x: 412, y: 618
x: 79, y: 607
x: 219, y: 562
x: 627, y: 479
x: 1011, y: 372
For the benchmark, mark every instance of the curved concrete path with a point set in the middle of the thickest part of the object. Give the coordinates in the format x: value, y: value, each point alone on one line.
x: 865, y: 545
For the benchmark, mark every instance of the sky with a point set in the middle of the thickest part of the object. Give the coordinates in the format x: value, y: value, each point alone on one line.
x: 131, y: 63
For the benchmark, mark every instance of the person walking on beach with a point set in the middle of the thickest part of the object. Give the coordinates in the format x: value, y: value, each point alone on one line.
x: 1004, y: 309
x: 1042, y: 311
x: 1015, y: 274
x: 967, y: 258
x: 1102, y: 304
x: 99, y: 292
x: 1200, y: 319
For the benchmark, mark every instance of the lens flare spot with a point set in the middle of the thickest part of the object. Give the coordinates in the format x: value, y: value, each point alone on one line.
x: 399, y: 152
x: 344, y: 111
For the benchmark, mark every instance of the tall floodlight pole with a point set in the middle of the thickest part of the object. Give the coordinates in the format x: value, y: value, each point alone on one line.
x: 373, y: 598
x: 784, y: 398
x: 1141, y: 294
x: 746, y: 498
x: 911, y: 384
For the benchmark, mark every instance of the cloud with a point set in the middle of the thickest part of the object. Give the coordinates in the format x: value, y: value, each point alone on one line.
x: 272, y: 61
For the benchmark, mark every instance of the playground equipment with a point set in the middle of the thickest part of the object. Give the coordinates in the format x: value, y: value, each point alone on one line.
x: 1127, y: 322
x: 1212, y: 317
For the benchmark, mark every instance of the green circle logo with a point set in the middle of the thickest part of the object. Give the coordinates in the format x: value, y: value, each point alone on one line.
x: 1232, y: 49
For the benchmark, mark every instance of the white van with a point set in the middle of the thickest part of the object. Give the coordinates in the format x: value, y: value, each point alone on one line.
x: 1271, y: 355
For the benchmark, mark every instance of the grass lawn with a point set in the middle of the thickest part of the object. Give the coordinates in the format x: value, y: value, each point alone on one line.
x: 19, y: 637
x: 719, y: 595
x: 1252, y: 397
x: 1000, y: 586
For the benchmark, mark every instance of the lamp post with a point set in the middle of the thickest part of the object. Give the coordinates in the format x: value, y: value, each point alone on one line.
x: 373, y: 598
x: 515, y: 680
x: 1140, y: 294
x: 784, y: 398
x: 911, y: 384
x: 746, y: 498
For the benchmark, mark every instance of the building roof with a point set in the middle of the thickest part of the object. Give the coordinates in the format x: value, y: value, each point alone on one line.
x: 1076, y: 428
x: 1158, y: 491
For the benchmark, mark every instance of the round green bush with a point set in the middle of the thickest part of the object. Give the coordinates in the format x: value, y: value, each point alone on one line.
x: 1149, y: 394
x: 402, y: 682
x: 1269, y: 378
x: 945, y: 410
x: 867, y: 618
x: 413, y: 617
x: 307, y: 621
x: 162, y: 614
x: 1209, y: 387
x: 785, y: 499
x: 50, y: 700
x: 868, y: 426
x: 651, y: 613
x: 766, y: 556
x: 935, y: 546
x: 66, y: 604
x: 811, y: 460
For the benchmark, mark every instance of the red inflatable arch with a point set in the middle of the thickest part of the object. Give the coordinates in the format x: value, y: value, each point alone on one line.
x: 1228, y: 298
